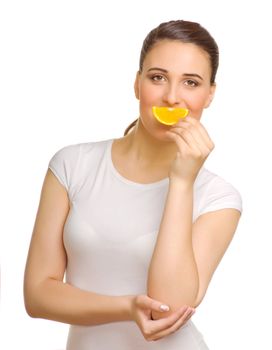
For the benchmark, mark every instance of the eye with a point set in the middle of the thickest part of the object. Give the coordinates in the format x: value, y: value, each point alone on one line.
x: 157, y: 78
x: 191, y: 83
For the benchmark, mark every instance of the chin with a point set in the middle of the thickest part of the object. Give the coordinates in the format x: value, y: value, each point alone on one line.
x: 156, y: 130
x: 160, y: 135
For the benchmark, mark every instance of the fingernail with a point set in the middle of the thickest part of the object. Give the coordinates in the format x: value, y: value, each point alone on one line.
x: 164, y: 308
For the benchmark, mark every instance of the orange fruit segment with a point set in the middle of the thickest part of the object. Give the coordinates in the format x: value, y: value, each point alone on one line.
x: 168, y: 115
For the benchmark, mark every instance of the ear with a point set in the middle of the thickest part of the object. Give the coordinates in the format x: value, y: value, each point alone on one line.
x: 136, y: 85
x: 210, y: 96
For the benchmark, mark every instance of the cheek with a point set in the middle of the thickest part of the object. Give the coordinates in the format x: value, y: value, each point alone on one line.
x: 196, y: 103
x: 148, y: 95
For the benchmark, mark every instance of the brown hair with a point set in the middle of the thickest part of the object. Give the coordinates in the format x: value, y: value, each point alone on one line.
x: 186, y: 32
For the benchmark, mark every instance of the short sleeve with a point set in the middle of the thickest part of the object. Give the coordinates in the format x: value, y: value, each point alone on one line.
x: 220, y: 195
x: 63, y: 164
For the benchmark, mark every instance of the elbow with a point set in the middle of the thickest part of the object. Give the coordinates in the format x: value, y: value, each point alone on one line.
x: 176, y: 298
x: 191, y: 301
x: 155, y: 315
x: 31, y: 310
x: 197, y: 302
x: 200, y: 296
x: 31, y: 302
x: 30, y: 306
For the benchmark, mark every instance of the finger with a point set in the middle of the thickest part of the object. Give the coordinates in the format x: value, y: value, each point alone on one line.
x: 161, y: 326
x: 186, y: 318
x: 180, y: 323
x: 180, y: 142
x: 203, y: 141
x: 194, y: 137
x: 148, y: 303
x: 186, y: 142
x: 202, y: 130
x: 167, y: 322
x: 195, y: 130
x: 177, y: 325
x: 191, y: 138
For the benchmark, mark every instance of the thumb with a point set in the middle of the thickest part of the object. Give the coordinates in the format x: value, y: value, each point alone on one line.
x: 154, y: 305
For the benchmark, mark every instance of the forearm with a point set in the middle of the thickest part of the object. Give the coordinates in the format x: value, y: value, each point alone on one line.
x: 62, y: 302
x: 173, y: 275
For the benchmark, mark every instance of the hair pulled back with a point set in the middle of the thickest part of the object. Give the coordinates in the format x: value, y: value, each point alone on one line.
x: 185, y: 32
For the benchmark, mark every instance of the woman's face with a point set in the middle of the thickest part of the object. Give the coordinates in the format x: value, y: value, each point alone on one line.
x: 174, y: 74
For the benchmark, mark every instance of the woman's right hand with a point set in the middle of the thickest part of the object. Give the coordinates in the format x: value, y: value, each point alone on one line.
x: 152, y: 330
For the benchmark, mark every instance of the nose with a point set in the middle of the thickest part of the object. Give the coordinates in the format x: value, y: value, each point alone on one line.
x: 171, y: 95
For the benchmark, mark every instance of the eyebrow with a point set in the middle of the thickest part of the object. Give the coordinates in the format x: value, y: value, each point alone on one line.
x: 166, y: 71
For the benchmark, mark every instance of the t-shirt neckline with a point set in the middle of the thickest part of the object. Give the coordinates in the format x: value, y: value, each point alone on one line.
x: 159, y: 183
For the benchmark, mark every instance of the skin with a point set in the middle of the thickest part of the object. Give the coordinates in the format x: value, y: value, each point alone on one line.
x: 149, y: 153
x: 176, y: 74
x: 147, y: 149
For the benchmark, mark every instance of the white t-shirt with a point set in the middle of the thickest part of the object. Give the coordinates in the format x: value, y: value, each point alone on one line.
x: 109, y: 237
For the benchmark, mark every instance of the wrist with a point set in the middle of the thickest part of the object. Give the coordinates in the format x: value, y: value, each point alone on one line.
x: 128, y: 307
x: 181, y: 184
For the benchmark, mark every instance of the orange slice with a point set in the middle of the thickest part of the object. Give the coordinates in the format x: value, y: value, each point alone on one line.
x: 168, y: 115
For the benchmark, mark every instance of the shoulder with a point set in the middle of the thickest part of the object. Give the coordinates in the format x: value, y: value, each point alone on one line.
x: 72, y: 151
x: 69, y: 163
x: 72, y: 154
x: 208, y: 180
x: 213, y: 192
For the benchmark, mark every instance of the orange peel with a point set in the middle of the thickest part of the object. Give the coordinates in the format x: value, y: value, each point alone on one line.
x: 169, y: 115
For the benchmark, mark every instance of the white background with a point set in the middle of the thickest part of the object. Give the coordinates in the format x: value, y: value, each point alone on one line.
x: 67, y: 73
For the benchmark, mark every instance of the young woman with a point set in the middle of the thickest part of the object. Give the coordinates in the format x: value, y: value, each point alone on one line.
x: 137, y: 224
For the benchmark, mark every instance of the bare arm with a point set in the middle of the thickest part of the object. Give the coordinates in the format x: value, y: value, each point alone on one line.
x: 173, y: 272
x: 186, y: 254
x: 46, y: 295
